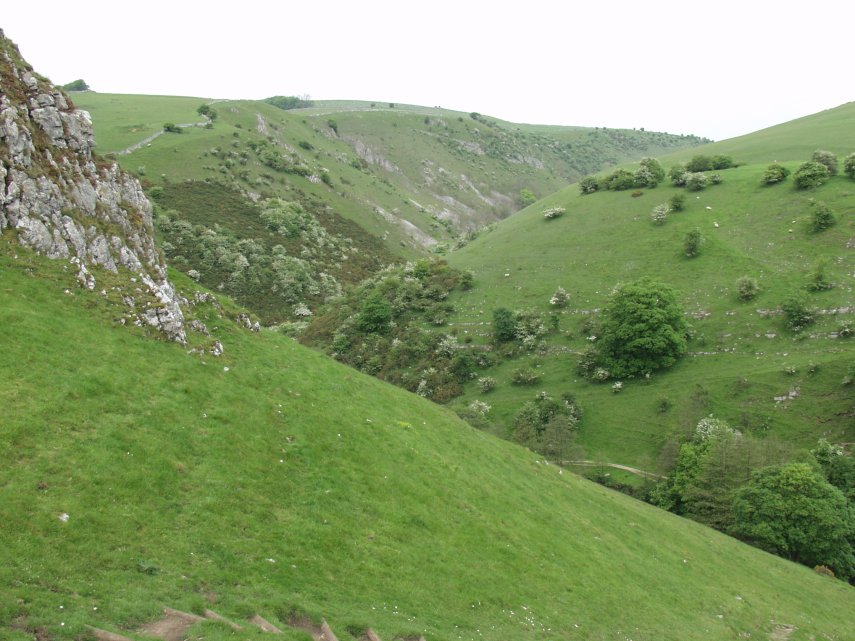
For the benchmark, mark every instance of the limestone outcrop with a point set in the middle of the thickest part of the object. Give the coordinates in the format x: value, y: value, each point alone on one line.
x: 65, y: 203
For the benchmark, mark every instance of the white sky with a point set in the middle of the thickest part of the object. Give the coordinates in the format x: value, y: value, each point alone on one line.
x: 716, y: 69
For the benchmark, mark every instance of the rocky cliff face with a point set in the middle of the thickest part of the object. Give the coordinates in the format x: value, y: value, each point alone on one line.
x: 66, y: 204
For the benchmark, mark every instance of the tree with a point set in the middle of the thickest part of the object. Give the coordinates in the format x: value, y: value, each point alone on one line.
x: 76, y: 85
x: 792, y: 511
x: 375, y: 316
x: 504, y: 325
x: 642, y: 329
x: 207, y: 110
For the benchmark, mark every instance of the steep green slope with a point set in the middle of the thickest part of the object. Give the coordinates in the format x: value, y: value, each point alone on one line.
x: 741, y: 352
x: 273, y: 480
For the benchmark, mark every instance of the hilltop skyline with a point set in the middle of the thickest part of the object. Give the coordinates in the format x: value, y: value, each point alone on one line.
x: 716, y: 74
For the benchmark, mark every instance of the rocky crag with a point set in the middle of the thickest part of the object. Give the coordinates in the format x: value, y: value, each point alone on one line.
x: 63, y: 202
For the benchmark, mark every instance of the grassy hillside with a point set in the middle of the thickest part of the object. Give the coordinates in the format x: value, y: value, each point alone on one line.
x: 741, y: 353
x: 793, y: 140
x: 409, y: 174
x: 273, y: 480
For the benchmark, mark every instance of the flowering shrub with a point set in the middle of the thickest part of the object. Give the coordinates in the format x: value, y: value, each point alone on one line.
x: 711, y: 426
x: 486, y: 384
x: 553, y: 212
x: 479, y: 407
x: 617, y: 387
x: 696, y: 181
x: 525, y: 376
x: 560, y: 298
x: 660, y: 214
x: 826, y: 158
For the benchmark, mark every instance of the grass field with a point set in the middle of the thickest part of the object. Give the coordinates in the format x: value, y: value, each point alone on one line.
x: 273, y: 480
x: 123, y: 120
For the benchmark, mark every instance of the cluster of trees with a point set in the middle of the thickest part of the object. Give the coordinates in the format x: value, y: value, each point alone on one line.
x: 649, y: 174
x: 798, y: 508
x: 378, y: 329
x: 547, y: 425
x: 76, y: 85
x: 294, y: 269
x: 289, y: 102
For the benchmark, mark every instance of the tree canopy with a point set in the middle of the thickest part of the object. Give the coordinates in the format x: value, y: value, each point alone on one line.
x: 642, y: 329
x: 791, y: 510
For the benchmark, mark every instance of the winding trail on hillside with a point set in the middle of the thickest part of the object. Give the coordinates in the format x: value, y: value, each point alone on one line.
x: 616, y: 466
x: 145, y: 141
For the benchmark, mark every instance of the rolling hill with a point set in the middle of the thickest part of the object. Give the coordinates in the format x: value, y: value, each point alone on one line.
x: 741, y: 356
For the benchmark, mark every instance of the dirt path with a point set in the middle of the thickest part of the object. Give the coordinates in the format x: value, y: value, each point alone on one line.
x: 617, y: 466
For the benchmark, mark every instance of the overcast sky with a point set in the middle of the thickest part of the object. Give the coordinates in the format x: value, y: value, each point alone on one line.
x: 716, y: 69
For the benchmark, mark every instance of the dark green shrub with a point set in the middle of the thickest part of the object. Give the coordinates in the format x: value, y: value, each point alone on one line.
x: 332, y: 124
x: 746, y: 288
x: 588, y: 185
x: 699, y: 163
x: 775, y: 173
x: 849, y: 166
x: 375, y: 316
x: 504, y: 325
x: 619, y: 180
x: 797, y: 315
x: 305, y: 144
x: 818, y: 280
x: 692, y: 243
x: 826, y: 158
x: 172, y: 128
x: 822, y: 217
x: 677, y: 202
x: 810, y: 175
x: 722, y: 162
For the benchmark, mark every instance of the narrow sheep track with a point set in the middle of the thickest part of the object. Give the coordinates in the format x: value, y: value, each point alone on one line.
x: 617, y: 466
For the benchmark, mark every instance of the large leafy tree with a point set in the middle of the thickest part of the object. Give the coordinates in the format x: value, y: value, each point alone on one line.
x: 642, y: 329
x: 793, y: 511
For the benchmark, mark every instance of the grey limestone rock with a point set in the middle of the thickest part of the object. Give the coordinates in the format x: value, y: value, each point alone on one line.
x: 64, y: 203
